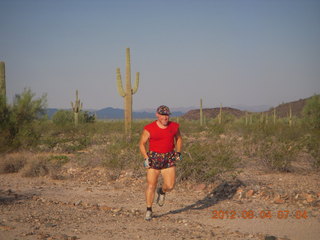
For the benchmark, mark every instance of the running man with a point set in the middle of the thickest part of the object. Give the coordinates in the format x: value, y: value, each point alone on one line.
x: 165, y: 144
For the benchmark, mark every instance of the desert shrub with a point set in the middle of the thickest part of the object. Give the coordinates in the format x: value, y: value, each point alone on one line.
x: 4, y: 124
x: 62, y: 118
x: 216, y: 129
x: 277, y: 155
x: 312, y: 145
x: 204, y: 161
x: 87, y: 117
x: 12, y: 163
x: 37, y: 166
x: 311, y: 112
x: 19, y: 121
x: 121, y: 154
x: 58, y: 159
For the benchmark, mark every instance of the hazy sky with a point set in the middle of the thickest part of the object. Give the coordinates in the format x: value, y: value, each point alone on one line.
x: 259, y: 52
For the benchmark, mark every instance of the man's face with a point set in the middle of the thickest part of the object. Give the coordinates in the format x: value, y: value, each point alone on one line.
x: 163, y: 119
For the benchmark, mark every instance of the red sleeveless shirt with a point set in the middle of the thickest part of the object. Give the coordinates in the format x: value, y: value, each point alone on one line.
x: 162, y: 140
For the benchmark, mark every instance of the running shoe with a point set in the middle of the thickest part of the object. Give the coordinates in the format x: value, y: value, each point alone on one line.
x: 148, y: 215
x: 160, y: 198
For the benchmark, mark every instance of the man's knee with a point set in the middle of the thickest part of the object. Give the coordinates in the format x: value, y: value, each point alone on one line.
x: 151, y: 186
x: 168, y: 187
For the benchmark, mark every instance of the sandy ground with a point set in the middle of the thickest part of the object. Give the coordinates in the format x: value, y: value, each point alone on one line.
x: 87, y: 204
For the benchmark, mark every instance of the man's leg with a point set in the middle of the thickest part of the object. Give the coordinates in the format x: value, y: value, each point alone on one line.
x: 152, y: 180
x: 169, y: 178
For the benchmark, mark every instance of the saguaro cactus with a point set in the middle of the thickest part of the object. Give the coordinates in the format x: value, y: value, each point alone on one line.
x: 76, y: 108
x: 2, y: 81
x: 246, y: 116
x: 290, y: 116
x: 201, y: 113
x: 127, y: 93
x: 220, y: 114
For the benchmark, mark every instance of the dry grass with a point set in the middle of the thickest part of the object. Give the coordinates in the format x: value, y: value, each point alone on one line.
x: 11, y: 163
x: 32, y: 165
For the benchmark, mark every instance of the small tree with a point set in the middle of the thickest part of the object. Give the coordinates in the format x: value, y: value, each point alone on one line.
x: 89, y: 117
x: 23, y: 116
x: 311, y: 112
x: 63, y: 118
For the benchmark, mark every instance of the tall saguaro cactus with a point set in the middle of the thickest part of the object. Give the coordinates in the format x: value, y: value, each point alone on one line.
x: 127, y: 93
x: 220, y: 114
x: 290, y: 116
x: 2, y: 81
x: 76, y: 108
x: 201, y: 113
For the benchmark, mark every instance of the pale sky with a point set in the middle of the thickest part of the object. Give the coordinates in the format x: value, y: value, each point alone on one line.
x: 240, y: 52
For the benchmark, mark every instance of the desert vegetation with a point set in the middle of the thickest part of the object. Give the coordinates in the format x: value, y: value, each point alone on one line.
x: 37, y: 146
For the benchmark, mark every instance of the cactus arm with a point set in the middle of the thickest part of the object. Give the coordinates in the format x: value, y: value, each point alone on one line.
x: 119, y: 84
x: 136, y: 83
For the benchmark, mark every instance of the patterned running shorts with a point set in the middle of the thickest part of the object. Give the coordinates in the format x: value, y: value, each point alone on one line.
x: 161, y: 160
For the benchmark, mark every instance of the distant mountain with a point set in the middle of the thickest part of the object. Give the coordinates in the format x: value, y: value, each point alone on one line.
x: 109, y: 113
x: 113, y: 113
x: 282, y: 110
x: 258, y: 108
x: 193, y: 113
x: 172, y: 109
x: 51, y: 111
x: 212, y: 113
x: 116, y: 113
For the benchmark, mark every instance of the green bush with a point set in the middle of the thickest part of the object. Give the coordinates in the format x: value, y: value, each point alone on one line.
x: 277, y: 155
x: 12, y: 164
x: 63, y: 118
x: 87, y: 117
x: 311, y: 112
x: 120, y: 154
x: 203, y: 161
x: 19, y: 121
x: 312, y: 144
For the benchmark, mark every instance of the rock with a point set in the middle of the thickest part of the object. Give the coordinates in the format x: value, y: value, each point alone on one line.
x: 249, y: 193
x: 50, y: 225
x: 309, y: 198
x: 270, y: 238
x: 222, y: 136
x: 60, y: 236
x: 239, y: 193
x: 200, y: 187
x: 116, y: 210
x: 78, y: 203
x: 278, y: 200
x: 105, y: 208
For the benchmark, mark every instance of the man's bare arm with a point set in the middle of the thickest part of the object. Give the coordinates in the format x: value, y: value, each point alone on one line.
x: 178, y: 141
x: 143, y: 141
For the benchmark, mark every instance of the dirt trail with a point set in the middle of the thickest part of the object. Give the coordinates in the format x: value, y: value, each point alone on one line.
x: 88, y: 205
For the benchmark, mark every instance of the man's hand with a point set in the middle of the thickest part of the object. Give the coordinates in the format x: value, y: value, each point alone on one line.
x: 146, y: 163
x: 178, y: 156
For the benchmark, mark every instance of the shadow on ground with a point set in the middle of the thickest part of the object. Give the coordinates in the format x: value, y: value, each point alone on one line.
x: 224, y: 191
x: 9, y: 197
